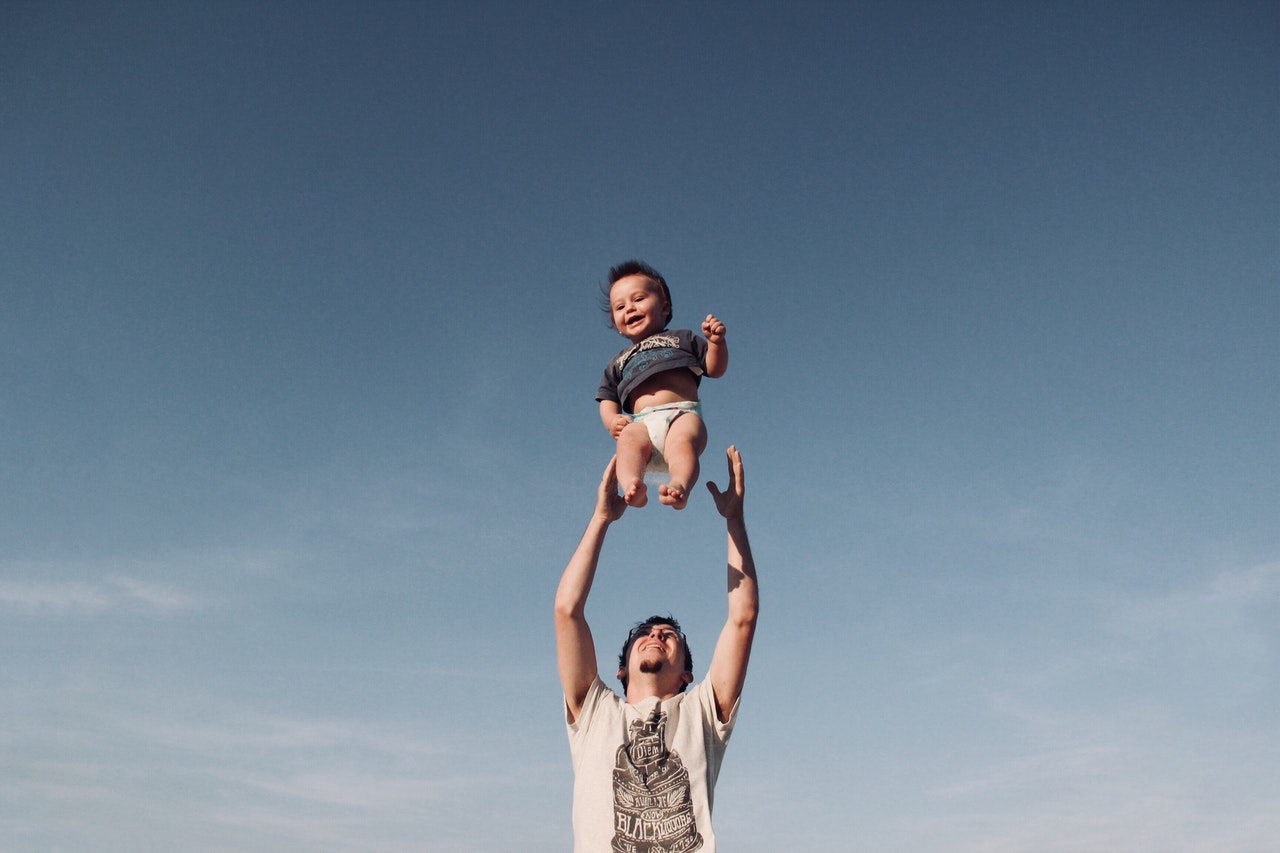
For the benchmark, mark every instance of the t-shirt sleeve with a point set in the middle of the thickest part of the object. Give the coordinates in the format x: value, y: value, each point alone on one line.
x: 608, y: 389
x: 590, y: 703
x: 706, y: 697
x: 598, y: 707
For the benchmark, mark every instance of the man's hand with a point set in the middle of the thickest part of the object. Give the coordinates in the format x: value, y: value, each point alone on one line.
x: 713, y: 330
x: 609, y: 504
x: 728, y: 502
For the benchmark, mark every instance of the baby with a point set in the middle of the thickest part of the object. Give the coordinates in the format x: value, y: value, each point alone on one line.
x: 649, y: 394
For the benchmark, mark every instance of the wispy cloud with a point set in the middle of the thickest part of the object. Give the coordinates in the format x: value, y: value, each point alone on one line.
x: 1153, y: 730
x: 81, y: 597
x: 1233, y: 589
x: 245, y: 779
x: 254, y: 734
x: 1230, y: 617
x: 159, y: 584
x: 1133, y: 778
x: 1256, y: 585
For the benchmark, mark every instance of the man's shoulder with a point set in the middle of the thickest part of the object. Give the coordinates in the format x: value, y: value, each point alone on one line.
x: 702, y: 693
x: 599, y: 697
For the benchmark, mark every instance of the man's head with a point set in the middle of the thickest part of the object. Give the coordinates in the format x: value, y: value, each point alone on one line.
x: 629, y: 270
x: 654, y: 646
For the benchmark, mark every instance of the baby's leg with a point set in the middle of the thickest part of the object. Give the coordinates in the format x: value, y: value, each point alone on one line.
x: 634, y: 450
x: 686, y: 440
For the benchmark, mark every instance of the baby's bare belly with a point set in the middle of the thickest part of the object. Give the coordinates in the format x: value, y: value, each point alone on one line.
x: 669, y: 386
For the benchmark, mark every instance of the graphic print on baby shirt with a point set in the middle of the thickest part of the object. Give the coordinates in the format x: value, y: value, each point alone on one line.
x: 652, y: 806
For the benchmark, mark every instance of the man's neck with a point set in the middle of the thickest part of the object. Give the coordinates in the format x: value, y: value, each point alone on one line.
x: 639, y: 690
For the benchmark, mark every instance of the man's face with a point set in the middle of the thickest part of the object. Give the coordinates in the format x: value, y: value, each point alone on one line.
x: 659, y: 650
x: 638, y: 307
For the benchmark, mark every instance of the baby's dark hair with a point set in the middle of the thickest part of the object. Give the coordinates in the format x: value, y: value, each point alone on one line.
x: 633, y: 267
x: 645, y: 627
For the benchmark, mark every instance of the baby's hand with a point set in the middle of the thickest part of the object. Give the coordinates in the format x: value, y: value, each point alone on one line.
x: 620, y: 422
x: 712, y: 329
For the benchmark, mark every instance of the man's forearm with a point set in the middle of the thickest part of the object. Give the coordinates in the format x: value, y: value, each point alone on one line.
x: 579, y: 574
x: 575, y: 648
x: 728, y: 670
x: 744, y: 595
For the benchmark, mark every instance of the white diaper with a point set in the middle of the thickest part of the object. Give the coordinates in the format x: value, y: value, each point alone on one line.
x: 658, y: 420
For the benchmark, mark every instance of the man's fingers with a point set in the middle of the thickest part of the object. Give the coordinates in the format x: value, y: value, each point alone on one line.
x: 736, y: 475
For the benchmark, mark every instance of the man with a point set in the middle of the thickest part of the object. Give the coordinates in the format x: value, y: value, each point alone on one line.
x: 645, y: 767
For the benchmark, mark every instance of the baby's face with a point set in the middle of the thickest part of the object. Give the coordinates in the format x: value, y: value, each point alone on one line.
x: 638, y: 307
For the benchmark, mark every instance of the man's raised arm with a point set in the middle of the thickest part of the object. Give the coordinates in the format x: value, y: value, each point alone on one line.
x: 728, y: 669
x: 575, y: 649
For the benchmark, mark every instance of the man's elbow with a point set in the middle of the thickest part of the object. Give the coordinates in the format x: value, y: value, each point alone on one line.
x: 567, y: 609
x: 744, y: 616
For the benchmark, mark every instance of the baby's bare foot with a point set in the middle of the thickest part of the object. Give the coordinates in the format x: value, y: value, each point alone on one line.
x: 673, y: 495
x: 636, y: 494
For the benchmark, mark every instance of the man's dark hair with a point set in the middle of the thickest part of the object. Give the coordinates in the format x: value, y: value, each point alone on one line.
x: 635, y: 267
x: 643, y: 628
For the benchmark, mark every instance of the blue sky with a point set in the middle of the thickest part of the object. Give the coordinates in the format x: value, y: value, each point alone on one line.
x: 300, y: 335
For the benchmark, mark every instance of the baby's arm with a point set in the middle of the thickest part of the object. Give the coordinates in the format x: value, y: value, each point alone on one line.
x: 717, y: 350
x: 612, y: 417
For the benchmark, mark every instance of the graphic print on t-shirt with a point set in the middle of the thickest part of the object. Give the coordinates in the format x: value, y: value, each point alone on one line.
x: 627, y: 360
x: 644, y: 360
x: 652, y: 806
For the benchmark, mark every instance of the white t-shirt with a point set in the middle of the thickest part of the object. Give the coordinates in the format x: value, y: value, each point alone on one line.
x: 645, y: 774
